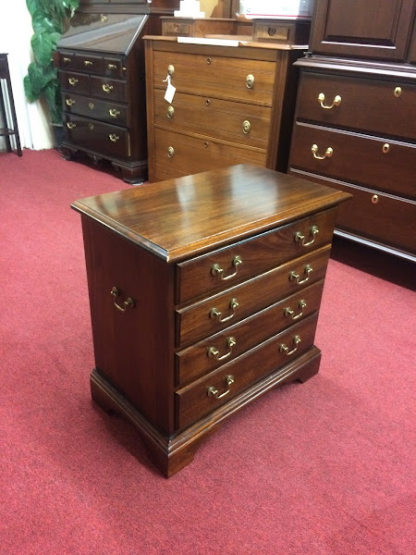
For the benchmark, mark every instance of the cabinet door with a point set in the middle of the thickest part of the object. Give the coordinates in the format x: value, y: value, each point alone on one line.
x: 377, y: 29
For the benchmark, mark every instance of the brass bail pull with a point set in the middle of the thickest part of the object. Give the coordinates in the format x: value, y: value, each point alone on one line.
x: 335, y: 102
x: 288, y: 311
x: 216, y: 269
x: 328, y: 152
x: 215, y: 313
x: 213, y: 352
x: 213, y: 391
x: 286, y: 350
x: 300, y: 238
x: 128, y: 303
x: 294, y: 276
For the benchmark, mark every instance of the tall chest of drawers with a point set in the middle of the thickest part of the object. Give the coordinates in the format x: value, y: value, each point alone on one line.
x: 202, y: 309
x: 102, y: 75
x: 355, y: 123
x: 233, y: 104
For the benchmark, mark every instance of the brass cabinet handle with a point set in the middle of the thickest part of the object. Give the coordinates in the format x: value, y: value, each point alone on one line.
x: 72, y: 81
x: 103, y: 18
x: 375, y: 199
x: 216, y: 269
x: 291, y: 313
x: 250, y: 81
x: 111, y: 66
x: 328, y: 153
x: 335, y: 102
x: 88, y: 63
x: 66, y: 60
x: 213, y: 352
x: 113, y: 137
x: 294, y: 276
x: 171, y: 69
x: 207, y: 102
x: 215, y: 313
x: 397, y: 92
x: 171, y: 151
x: 107, y: 88
x: 209, y: 61
x: 170, y: 112
x: 385, y: 148
x: 128, y: 303
x: 300, y: 238
x: 285, y: 349
x: 113, y: 112
x: 246, y: 127
x: 71, y: 125
x: 91, y: 126
x: 213, y: 392
x: 69, y: 101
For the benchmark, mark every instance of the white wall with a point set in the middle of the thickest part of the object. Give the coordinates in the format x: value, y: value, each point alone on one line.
x: 15, y: 34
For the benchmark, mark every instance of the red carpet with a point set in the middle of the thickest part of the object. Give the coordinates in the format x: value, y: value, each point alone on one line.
x: 323, y: 468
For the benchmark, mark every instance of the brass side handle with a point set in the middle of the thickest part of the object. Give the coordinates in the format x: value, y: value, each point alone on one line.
x: 87, y: 63
x: 128, y: 303
x: 213, y: 352
x: 294, y: 276
x: 213, y: 392
x: 335, y: 102
x: 250, y: 81
x: 286, y: 350
x: 290, y: 313
x: 171, y: 152
x: 216, y: 269
x: 113, y: 112
x: 301, y: 238
x: 170, y: 112
x: 70, y: 124
x: 215, y: 313
x: 328, y: 152
x: 107, y: 88
x: 69, y: 101
x: 72, y: 81
x: 113, y: 137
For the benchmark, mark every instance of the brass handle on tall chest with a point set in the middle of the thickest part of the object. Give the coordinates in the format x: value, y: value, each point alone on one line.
x: 385, y: 148
x: 113, y: 112
x: 107, y: 88
x: 250, y: 81
x: 213, y: 352
x: 71, y: 125
x: 328, y: 152
x: 72, y: 81
x: 66, y: 60
x: 300, y: 238
x: 216, y: 269
x: 87, y: 63
x: 246, y: 127
x: 397, y: 92
x: 294, y: 276
x: 69, y: 101
x: 171, y: 151
x: 171, y: 112
x: 285, y: 349
x: 103, y: 18
x: 291, y: 313
x: 111, y: 66
x: 128, y: 303
x: 215, y: 313
x: 213, y: 392
x: 113, y: 137
x: 171, y: 70
x: 335, y: 102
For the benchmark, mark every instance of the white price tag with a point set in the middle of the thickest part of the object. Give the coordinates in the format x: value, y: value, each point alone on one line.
x: 170, y: 90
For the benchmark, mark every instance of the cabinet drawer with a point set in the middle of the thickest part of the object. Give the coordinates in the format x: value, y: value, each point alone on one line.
x: 248, y: 258
x: 109, y: 112
x: 217, y: 76
x: 363, y: 104
x: 178, y: 154
x: 115, y: 67
x: 204, y: 395
x: 360, y: 159
x: 224, y: 120
x: 92, y: 134
x: 90, y: 63
x: 225, y: 346
x: 218, y: 312
x: 109, y: 89
x: 75, y: 82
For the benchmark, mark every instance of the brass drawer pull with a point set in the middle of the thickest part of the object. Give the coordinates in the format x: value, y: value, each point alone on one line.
x: 113, y: 137
x: 375, y: 199
x: 216, y: 269
x: 209, y: 61
x: 291, y: 313
x: 335, y: 102
x: 107, y: 88
x: 111, y: 66
x: 300, y: 238
x: 66, y: 60
x: 207, y: 102
x: 213, y: 352
x: 285, y: 349
x: 171, y: 112
x: 397, y: 92
x: 91, y: 105
x: 71, y: 125
x: 128, y: 303
x: 385, y: 148
x: 328, y: 153
x: 294, y: 276
x: 171, y: 152
x: 246, y: 127
x: 113, y: 112
x: 103, y: 18
x: 250, y: 81
x: 69, y: 101
x: 91, y: 126
x: 213, y: 392
x: 171, y: 70
x: 87, y: 63
x: 72, y: 81
x: 215, y: 313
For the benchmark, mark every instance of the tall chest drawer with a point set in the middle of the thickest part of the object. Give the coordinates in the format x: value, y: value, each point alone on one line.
x: 78, y: 83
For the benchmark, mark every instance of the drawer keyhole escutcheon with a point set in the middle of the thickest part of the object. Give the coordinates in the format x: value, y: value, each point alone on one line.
x: 294, y: 276
x: 113, y: 112
x: 285, y: 349
x: 385, y: 148
x: 72, y: 81
x: 300, y: 238
x: 250, y: 81
x: 328, y: 153
x: 91, y: 105
x: 213, y: 352
x: 71, y: 125
x: 215, y: 313
x: 107, y: 88
x: 397, y: 92
x: 335, y: 102
x: 113, y: 137
x: 213, y: 392
x: 171, y: 70
x: 291, y: 313
x: 69, y: 101
x: 216, y: 269
x: 170, y: 112
x: 171, y: 151
x: 128, y: 303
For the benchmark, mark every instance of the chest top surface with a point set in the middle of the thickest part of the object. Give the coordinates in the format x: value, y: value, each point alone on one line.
x: 182, y: 217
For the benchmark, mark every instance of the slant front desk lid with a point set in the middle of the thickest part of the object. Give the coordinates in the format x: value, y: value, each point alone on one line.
x: 190, y: 215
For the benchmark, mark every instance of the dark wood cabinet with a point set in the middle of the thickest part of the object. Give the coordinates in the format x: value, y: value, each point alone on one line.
x: 102, y: 77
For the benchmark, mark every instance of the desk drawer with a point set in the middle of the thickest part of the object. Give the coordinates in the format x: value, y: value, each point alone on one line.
x: 110, y: 112
x: 220, y: 311
x: 108, y: 89
x: 204, y: 396
x: 76, y: 83
x: 360, y: 159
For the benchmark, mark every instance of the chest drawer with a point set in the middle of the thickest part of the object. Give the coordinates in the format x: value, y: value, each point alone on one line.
x: 221, y: 119
x: 207, y: 355
x: 78, y: 83
x: 108, y: 89
x: 363, y: 104
x: 210, y: 392
x: 240, y: 79
x: 218, y: 312
x: 359, y: 159
x: 110, y: 112
x: 227, y: 266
